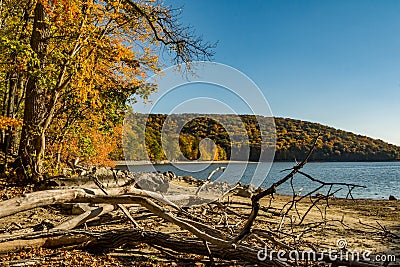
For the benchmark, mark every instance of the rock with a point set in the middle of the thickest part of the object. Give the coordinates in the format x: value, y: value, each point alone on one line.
x: 152, y: 182
x: 245, y: 190
x: 242, y: 192
x: 215, y: 190
x: 102, y: 173
x: 392, y: 197
x: 108, y: 177
x: 170, y: 175
x: 191, y: 180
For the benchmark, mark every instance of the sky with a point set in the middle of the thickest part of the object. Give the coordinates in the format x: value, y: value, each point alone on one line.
x: 332, y: 62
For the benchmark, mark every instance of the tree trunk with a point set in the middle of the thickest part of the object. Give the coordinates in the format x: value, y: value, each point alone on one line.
x: 32, y: 145
x: 9, y: 133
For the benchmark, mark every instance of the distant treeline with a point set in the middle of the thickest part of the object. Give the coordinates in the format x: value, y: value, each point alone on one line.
x: 233, y: 134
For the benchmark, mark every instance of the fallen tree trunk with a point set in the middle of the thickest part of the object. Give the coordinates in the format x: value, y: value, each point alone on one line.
x: 96, y: 196
x: 157, y: 210
x: 55, y: 240
x: 84, y: 217
x: 115, y: 239
x: 103, y: 242
x: 205, y: 239
x: 60, y: 196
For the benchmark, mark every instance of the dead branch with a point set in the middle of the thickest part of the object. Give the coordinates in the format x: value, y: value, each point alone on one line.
x: 157, y: 210
x: 270, y: 191
x: 120, y: 206
x: 60, y: 196
x: 221, y: 239
x: 84, y: 217
x: 208, y: 180
x: 103, y: 241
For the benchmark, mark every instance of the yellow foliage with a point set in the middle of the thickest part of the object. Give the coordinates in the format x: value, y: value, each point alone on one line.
x: 6, y: 122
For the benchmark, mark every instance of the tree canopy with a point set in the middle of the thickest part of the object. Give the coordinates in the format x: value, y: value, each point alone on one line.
x: 68, y: 67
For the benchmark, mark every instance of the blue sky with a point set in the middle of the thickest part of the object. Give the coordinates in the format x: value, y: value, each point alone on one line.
x: 332, y: 62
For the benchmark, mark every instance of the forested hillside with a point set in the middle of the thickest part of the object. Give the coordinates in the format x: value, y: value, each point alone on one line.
x: 294, y: 138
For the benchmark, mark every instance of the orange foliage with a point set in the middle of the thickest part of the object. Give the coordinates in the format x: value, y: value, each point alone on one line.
x: 94, y: 55
x: 91, y: 144
x: 6, y: 122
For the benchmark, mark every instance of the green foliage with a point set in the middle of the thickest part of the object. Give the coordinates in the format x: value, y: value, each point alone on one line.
x: 293, y: 139
x: 68, y: 68
x: 335, y: 145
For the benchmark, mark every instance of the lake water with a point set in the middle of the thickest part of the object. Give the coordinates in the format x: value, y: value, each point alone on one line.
x: 380, y: 178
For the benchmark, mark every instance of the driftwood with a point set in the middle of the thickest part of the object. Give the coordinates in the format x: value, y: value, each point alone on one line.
x: 121, y: 207
x: 56, y: 240
x: 84, y: 217
x: 157, y: 210
x: 106, y: 241
x: 117, y: 238
x: 102, y: 242
x: 202, y: 235
x: 60, y: 196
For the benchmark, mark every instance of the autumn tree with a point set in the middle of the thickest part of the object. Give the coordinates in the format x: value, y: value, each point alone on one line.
x: 75, y: 62
x: 292, y: 137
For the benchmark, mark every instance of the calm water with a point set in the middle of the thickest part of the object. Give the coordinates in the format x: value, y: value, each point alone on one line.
x: 381, y: 178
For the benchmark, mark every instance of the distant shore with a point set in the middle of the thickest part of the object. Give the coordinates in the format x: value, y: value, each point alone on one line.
x: 164, y: 162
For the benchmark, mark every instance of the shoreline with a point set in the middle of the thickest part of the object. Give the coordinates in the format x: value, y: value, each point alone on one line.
x: 373, y: 196
x: 166, y: 162
x: 358, y: 215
